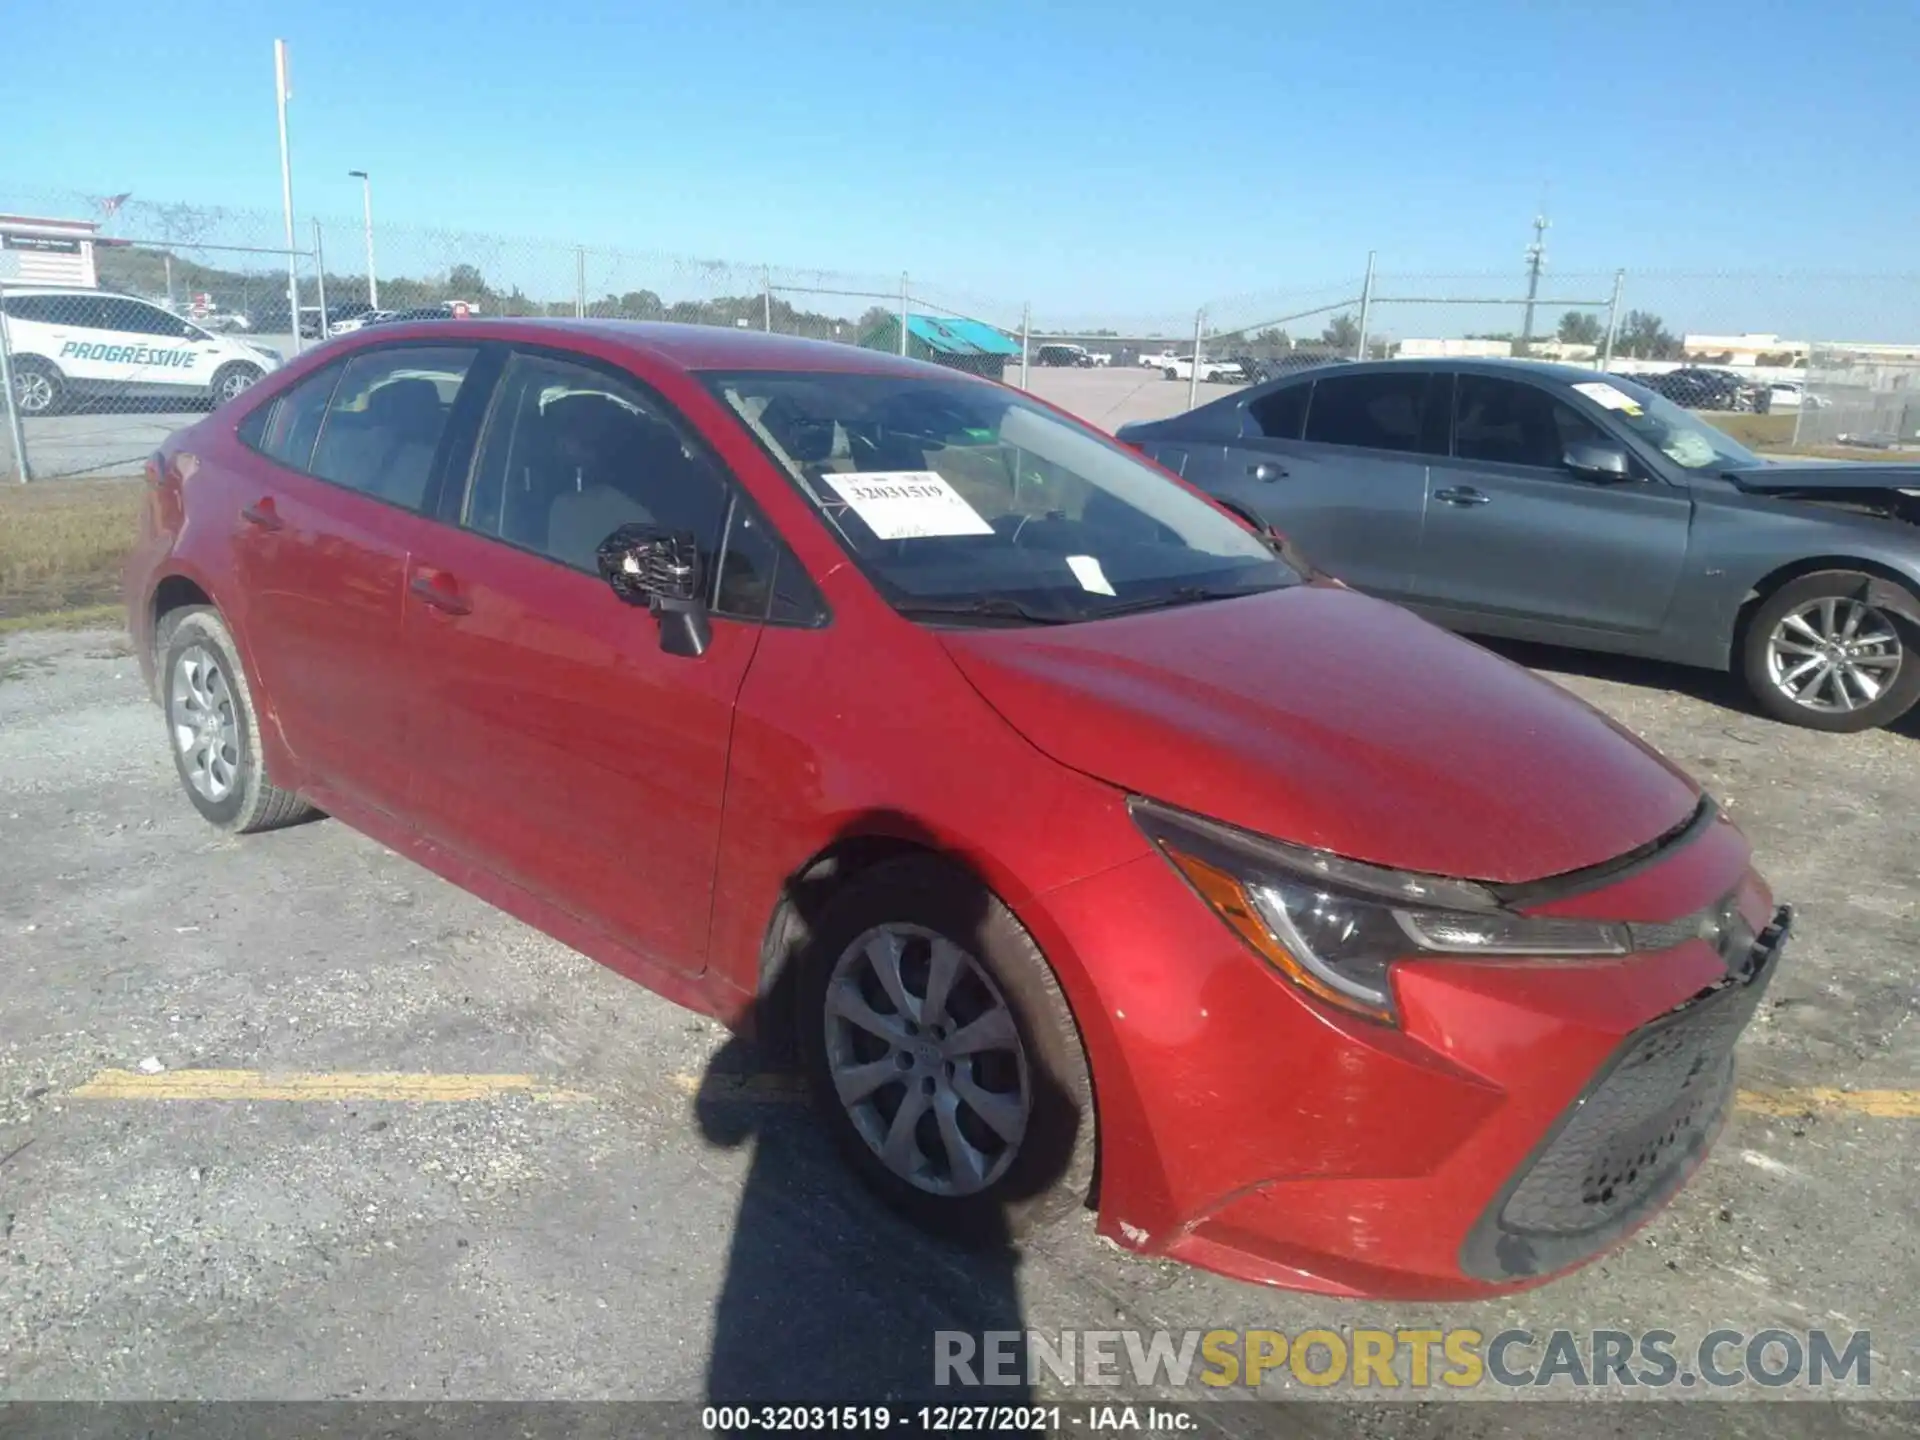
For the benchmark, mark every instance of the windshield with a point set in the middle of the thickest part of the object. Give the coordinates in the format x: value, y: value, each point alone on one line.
x: 1680, y: 435
x: 961, y: 499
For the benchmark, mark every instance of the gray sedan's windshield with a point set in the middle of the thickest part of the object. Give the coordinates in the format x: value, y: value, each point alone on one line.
x: 1678, y: 434
x: 960, y: 499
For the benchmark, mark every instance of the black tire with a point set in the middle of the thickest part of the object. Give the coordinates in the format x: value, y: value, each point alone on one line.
x: 1049, y: 1171
x: 1171, y: 373
x: 200, y: 658
x: 1897, y: 694
x: 38, y: 386
x: 232, y: 380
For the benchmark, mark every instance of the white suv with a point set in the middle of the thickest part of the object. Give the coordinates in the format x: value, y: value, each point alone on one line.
x: 72, y: 343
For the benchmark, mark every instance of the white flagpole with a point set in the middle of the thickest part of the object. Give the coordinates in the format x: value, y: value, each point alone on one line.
x: 286, y: 191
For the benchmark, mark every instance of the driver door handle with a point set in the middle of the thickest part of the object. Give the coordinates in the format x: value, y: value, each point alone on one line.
x: 439, y: 590
x: 1462, y: 495
x: 263, y: 514
x: 1267, y: 470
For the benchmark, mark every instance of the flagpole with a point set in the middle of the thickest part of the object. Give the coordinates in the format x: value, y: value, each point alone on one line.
x: 286, y: 191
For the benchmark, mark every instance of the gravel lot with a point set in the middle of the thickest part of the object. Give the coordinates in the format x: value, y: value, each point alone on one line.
x: 625, y: 1239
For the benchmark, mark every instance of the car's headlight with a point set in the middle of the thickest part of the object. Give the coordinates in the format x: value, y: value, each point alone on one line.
x: 1334, y: 927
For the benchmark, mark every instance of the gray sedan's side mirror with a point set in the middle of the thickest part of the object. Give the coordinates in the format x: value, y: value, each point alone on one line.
x: 1597, y: 460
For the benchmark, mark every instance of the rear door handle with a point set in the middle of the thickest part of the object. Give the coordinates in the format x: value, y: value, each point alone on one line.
x: 438, y: 589
x: 1462, y: 495
x: 1263, y: 470
x: 263, y: 514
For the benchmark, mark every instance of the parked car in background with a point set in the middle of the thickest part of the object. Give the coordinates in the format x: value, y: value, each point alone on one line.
x: 1043, y: 808
x: 1155, y: 359
x: 1212, y: 371
x: 1694, y: 387
x: 346, y: 325
x: 72, y: 345
x: 1794, y: 395
x: 1547, y: 502
x: 1073, y: 356
x: 1264, y: 368
x: 416, y: 312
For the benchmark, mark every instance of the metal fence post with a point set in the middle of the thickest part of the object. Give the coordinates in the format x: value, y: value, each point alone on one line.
x: 903, y: 312
x: 579, y: 282
x: 1026, y: 333
x: 1613, y: 322
x: 14, y: 431
x: 1193, y: 379
x: 320, y: 280
x: 286, y: 193
x: 1366, y: 307
x: 766, y: 298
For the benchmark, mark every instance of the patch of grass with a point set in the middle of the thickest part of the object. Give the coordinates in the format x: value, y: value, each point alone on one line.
x: 61, y: 547
x: 83, y: 617
x: 1757, y: 432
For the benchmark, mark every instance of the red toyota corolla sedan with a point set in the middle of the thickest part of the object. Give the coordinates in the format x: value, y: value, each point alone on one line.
x: 1083, y: 845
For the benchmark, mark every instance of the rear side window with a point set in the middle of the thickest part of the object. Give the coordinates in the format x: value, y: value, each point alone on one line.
x: 385, y: 419
x: 293, y: 423
x: 758, y: 577
x: 1283, y: 414
x: 1380, y: 411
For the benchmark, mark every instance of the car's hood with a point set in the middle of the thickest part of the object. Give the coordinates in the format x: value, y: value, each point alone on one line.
x: 1846, y: 475
x: 1323, y: 717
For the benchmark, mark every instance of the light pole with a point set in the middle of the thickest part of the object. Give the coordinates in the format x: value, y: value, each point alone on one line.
x: 366, y: 196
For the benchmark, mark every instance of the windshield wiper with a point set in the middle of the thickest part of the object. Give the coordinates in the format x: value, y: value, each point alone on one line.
x: 1179, y: 595
x: 997, y: 607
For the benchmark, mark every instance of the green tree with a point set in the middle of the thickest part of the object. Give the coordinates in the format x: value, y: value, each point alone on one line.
x: 1644, y: 336
x: 467, y: 282
x: 1579, y: 327
x: 1342, y: 332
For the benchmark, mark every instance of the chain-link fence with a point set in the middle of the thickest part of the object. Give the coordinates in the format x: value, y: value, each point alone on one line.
x: 128, y: 317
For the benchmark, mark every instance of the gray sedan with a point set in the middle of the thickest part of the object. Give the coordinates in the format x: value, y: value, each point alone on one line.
x: 1544, y: 502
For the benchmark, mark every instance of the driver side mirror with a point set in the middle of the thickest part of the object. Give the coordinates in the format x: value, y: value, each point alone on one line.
x: 660, y: 569
x: 1598, y: 461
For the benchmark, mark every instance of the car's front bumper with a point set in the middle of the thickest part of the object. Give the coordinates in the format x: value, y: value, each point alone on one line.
x: 1249, y: 1130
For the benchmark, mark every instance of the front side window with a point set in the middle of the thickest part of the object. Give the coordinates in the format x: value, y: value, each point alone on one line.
x: 1507, y: 423
x: 1383, y: 410
x: 134, y: 317
x: 961, y: 500
x: 571, y: 453
x: 1678, y: 434
x: 385, y: 419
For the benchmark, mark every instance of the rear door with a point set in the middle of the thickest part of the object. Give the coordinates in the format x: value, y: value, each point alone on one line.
x: 1513, y: 535
x: 1338, y: 464
x: 326, y: 525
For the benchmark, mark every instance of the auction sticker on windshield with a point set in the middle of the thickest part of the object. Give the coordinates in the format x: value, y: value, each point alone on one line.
x: 1613, y: 398
x: 908, y: 504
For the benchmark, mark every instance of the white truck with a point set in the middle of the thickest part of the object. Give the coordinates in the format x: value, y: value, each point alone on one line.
x: 1180, y: 367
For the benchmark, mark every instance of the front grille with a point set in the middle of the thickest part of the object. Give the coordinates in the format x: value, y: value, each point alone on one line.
x: 1628, y: 1143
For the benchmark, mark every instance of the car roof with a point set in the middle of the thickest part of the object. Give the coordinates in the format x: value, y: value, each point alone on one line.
x: 13, y: 290
x: 684, y: 347
x: 1551, y: 370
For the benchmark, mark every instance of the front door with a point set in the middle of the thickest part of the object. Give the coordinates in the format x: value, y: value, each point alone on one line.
x: 555, y: 742
x: 1513, y: 535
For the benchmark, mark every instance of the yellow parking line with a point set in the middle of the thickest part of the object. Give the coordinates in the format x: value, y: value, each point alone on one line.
x: 267, y: 1085
x: 1881, y: 1104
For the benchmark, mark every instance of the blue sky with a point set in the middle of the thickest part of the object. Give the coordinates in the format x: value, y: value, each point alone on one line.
x: 1111, y: 157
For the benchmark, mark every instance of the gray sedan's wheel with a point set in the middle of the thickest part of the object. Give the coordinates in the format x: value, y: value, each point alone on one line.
x: 943, y: 1055
x: 214, y: 733
x: 1820, y: 652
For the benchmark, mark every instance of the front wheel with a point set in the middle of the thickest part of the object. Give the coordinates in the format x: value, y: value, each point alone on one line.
x: 1820, y: 653
x: 232, y: 380
x: 943, y: 1055
x: 1171, y: 373
x: 214, y: 730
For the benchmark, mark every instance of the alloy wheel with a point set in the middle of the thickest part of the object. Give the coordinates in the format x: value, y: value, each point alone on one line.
x: 33, y: 392
x: 1834, y: 655
x: 926, y: 1059
x: 237, y: 383
x: 206, y: 731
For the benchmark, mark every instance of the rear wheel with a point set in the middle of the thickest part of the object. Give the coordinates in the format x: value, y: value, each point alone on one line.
x: 1171, y: 373
x: 214, y: 730
x: 943, y: 1055
x: 1818, y: 652
x: 38, y: 387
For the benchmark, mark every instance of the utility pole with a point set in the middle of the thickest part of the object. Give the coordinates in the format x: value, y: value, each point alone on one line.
x: 1536, y: 262
x: 366, y: 205
x: 282, y: 91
